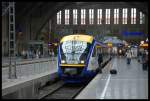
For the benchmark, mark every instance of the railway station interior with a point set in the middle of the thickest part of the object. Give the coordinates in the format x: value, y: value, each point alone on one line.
x: 42, y: 41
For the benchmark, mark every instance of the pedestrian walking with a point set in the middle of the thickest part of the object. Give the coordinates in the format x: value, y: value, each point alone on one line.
x: 139, y: 56
x: 28, y: 56
x: 100, y: 60
x: 128, y: 55
x: 53, y: 55
x: 24, y: 54
x: 145, y: 60
x: 50, y: 54
x: 132, y: 53
x: 37, y: 54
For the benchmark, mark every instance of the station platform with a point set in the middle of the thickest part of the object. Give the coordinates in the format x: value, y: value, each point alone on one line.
x: 30, y: 72
x: 130, y: 82
x: 5, y: 60
x: 26, y: 67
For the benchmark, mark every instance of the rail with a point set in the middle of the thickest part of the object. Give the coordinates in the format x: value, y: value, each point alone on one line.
x: 65, y: 91
x: 61, y: 90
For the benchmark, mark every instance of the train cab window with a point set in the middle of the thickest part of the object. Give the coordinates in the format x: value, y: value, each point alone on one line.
x: 73, y: 52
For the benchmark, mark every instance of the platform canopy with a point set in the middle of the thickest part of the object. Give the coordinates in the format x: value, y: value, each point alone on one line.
x: 113, y: 40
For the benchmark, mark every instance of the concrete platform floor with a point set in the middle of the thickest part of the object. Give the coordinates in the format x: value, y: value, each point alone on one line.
x: 131, y: 82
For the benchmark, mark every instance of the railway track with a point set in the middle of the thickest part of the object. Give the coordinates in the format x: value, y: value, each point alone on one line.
x: 66, y: 91
x: 60, y: 90
x: 49, y: 89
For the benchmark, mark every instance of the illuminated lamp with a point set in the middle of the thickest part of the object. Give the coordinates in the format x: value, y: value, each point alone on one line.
x: 55, y: 44
x: 144, y: 45
x: 62, y: 61
x: 109, y: 44
x: 82, y: 61
x: 142, y: 42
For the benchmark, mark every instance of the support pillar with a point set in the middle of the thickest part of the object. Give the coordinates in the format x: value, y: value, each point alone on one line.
x: 12, y: 42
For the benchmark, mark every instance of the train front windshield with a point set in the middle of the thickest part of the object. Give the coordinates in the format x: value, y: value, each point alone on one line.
x: 74, y: 52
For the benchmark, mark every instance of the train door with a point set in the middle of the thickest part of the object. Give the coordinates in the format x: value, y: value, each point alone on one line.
x: 93, y: 62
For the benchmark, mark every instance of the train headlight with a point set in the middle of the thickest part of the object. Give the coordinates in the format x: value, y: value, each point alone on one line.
x: 82, y: 61
x: 62, y: 61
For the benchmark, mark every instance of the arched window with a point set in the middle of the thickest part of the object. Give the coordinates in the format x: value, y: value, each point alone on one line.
x: 107, y: 16
x: 91, y: 16
x: 124, y: 15
x: 59, y: 17
x: 75, y: 14
x: 133, y: 15
x: 116, y: 16
x: 67, y: 17
x: 83, y: 16
x: 99, y: 16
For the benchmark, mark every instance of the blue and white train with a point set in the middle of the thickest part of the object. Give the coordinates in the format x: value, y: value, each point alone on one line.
x: 77, y: 57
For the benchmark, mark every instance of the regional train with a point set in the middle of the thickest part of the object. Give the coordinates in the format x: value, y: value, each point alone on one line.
x: 77, y: 57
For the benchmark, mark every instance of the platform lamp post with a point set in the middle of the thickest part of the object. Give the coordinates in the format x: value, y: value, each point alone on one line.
x: 49, y: 35
x: 12, y: 42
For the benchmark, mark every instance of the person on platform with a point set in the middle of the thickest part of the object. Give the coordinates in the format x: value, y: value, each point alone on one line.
x: 128, y: 55
x: 100, y: 60
x: 145, y: 60
x: 53, y: 55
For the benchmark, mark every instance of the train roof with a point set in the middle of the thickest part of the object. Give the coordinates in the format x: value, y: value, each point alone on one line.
x: 80, y: 37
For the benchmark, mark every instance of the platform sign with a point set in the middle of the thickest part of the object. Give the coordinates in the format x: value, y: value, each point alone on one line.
x: 125, y: 33
x: 145, y: 45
